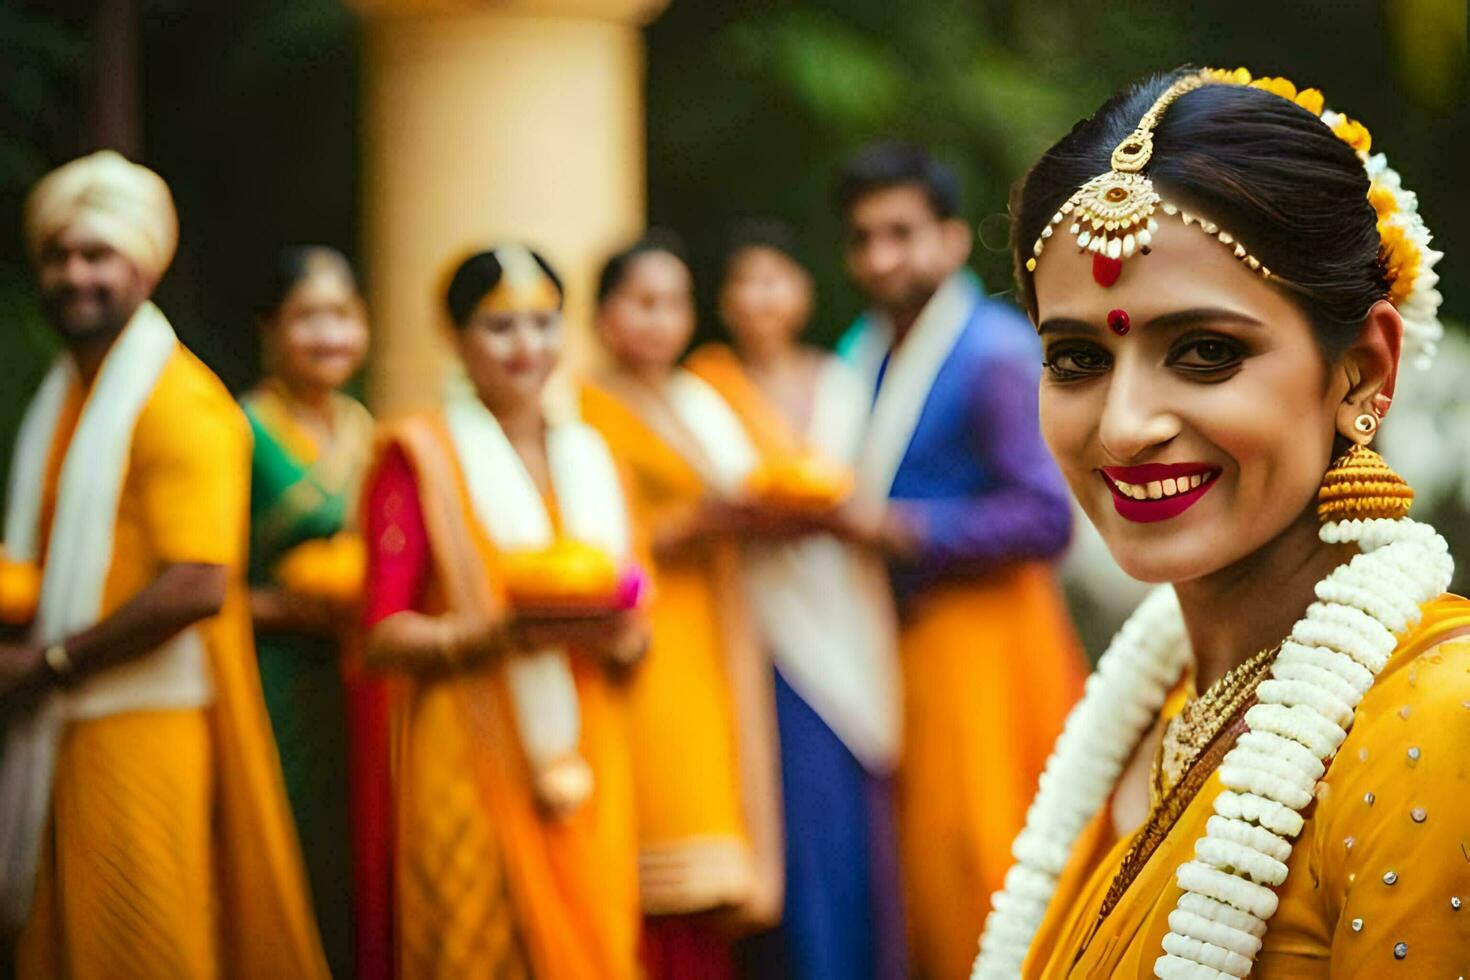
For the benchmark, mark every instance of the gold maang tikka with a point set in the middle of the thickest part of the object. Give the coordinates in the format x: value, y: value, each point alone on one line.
x: 1112, y: 214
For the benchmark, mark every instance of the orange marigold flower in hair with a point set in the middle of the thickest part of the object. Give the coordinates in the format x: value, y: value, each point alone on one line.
x: 1276, y: 86
x: 1383, y: 201
x: 1400, y: 260
x: 1354, y: 134
x: 1227, y: 76
x: 1311, y: 100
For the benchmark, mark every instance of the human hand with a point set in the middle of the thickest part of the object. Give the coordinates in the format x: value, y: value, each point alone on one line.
x: 752, y: 517
x: 22, y: 673
x: 280, y: 610
x: 881, y: 527
x: 618, y: 638
x: 542, y: 629
x: 626, y: 645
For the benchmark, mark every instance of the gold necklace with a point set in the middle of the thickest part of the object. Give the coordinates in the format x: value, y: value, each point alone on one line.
x: 1195, y: 727
x: 1200, y: 736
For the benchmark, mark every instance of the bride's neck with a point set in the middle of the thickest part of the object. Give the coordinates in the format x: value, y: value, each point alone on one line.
x: 1252, y: 604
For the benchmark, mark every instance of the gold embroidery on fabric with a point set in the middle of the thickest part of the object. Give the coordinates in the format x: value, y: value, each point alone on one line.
x: 1214, y: 727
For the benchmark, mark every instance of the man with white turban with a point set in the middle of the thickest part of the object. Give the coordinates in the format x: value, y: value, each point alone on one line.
x: 143, y: 824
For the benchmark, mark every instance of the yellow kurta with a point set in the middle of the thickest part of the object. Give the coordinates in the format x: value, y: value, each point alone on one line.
x: 487, y: 886
x: 171, y: 851
x: 703, y: 722
x: 1378, y: 810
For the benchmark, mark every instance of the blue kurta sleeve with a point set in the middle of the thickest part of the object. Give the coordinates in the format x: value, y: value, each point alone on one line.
x: 1025, y: 512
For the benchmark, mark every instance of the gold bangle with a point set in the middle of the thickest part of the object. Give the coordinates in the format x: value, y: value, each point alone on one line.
x: 59, y: 663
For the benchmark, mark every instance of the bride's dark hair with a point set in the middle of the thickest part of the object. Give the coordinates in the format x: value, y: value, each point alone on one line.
x: 1259, y: 166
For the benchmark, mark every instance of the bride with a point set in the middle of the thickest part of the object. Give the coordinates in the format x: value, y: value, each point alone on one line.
x: 1267, y: 775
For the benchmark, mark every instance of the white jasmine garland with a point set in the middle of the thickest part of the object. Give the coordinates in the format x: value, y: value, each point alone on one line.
x: 1273, y: 816
x: 1325, y: 666
x: 1122, y: 698
x: 1226, y: 915
x: 1194, y: 926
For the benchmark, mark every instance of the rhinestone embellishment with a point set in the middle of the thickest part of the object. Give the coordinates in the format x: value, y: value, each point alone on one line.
x: 1391, y: 878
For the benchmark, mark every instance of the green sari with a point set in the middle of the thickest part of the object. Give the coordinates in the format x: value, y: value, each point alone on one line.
x: 297, y: 495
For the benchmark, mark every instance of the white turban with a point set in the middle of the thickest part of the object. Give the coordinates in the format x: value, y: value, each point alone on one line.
x: 126, y: 205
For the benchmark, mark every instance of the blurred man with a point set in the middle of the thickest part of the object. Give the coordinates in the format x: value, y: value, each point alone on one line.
x: 143, y: 825
x: 972, y: 514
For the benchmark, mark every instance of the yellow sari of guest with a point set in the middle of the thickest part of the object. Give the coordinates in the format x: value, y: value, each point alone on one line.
x: 487, y: 886
x: 1379, y: 876
x: 771, y: 433
x: 702, y: 718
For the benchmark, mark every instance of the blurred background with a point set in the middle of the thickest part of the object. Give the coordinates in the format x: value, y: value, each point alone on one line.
x: 285, y: 121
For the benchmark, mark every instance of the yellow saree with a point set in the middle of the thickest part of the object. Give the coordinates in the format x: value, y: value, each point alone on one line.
x: 703, y: 723
x: 1378, y: 876
x: 487, y: 885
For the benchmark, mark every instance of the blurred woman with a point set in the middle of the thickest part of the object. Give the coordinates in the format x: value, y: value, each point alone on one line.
x: 495, y: 530
x: 311, y: 444
x: 703, y: 718
x: 826, y: 615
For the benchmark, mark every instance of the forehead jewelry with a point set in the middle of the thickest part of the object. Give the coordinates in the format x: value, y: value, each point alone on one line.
x: 1118, y: 322
x: 523, y: 286
x: 1112, y: 215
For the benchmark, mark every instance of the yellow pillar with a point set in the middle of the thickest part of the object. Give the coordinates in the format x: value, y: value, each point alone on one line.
x: 519, y: 119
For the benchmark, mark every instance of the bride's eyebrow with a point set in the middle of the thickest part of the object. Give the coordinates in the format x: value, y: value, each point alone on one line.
x: 1178, y: 318
x: 1185, y: 318
x: 1062, y: 324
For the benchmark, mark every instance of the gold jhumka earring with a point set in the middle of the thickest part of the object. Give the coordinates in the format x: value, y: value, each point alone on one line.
x: 1361, y: 486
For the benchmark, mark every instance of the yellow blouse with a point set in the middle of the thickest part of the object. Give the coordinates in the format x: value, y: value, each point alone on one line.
x: 1379, y: 877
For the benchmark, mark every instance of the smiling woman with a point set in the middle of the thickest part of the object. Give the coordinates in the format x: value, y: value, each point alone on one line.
x: 1220, y: 347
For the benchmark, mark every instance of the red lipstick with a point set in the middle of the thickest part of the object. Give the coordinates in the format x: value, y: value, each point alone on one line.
x: 1157, y: 491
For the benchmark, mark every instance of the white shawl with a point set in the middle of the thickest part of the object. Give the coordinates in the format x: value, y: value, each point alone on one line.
x: 78, y: 558
x: 824, y: 608
x: 912, y: 368
x: 509, y: 507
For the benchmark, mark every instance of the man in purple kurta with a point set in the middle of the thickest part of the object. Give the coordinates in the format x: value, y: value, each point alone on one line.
x: 973, y: 515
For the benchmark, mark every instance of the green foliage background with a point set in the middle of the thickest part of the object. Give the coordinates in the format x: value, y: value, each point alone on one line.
x: 249, y: 111
x: 752, y: 105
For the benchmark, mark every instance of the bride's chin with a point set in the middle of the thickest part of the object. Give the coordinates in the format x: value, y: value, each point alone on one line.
x: 1161, y: 563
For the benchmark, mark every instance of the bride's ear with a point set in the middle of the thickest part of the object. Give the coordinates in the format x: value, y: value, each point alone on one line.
x: 1371, y: 365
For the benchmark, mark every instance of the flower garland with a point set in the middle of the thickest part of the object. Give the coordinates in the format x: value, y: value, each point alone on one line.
x: 1327, y: 663
x: 1408, y: 261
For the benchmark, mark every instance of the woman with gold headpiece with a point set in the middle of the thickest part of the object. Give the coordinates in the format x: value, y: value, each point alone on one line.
x: 1267, y: 774
x: 311, y: 444
x: 502, y: 595
x: 702, y: 714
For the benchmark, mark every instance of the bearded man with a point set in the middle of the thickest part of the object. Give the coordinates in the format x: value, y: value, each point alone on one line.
x: 143, y: 824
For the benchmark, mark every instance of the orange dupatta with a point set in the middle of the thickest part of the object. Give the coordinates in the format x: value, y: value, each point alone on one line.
x: 571, y: 883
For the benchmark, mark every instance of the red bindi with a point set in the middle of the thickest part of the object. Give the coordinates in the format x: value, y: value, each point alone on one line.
x: 1118, y: 322
x: 1106, y: 270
